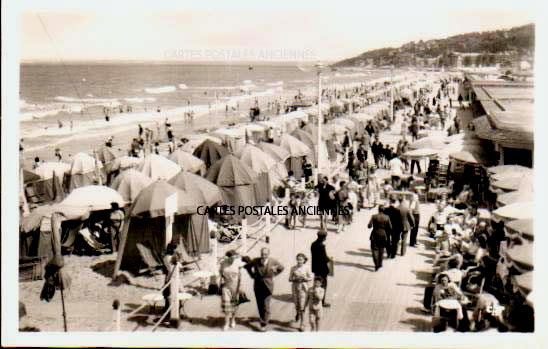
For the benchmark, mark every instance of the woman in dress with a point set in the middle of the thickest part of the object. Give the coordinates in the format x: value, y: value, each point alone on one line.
x: 300, y: 276
x: 230, y: 273
x: 445, y: 289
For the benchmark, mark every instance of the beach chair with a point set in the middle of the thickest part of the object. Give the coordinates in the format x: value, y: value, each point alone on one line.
x: 186, y: 259
x: 152, y: 260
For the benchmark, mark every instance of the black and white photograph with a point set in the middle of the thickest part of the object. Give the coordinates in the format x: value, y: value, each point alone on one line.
x: 242, y: 173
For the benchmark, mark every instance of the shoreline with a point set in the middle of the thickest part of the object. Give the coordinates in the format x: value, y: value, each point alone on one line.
x: 126, y: 124
x: 204, y: 120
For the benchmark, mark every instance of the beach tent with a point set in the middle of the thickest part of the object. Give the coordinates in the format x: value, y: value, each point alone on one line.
x: 83, y: 163
x: 359, y: 126
x: 45, y: 190
x: 265, y: 166
x: 83, y: 171
x: 255, y: 132
x: 187, y: 161
x: 107, y: 154
x: 209, y: 152
x: 46, y: 169
x: 330, y: 130
x: 310, y: 142
x: 523, y: 227
x: 280, y: 155
x: 122, y: 163
x: 197, y: 186
x: 158, y: 167
x: 518, y: 210
x: 129, y: 184
x: 144, y: 231
x: 40, y: 231
x: 312, y: 129
x: 297, y: 150
x: 237, y: 183
x: 233, y: 138
x: 348, y: 124
x: 30, y: 176
x: 275, y: 151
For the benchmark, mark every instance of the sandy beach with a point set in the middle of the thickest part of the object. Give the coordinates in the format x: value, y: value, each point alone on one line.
x: 361, y: 300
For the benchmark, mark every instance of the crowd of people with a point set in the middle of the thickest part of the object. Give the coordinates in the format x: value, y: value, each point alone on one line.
x: 469, y: 264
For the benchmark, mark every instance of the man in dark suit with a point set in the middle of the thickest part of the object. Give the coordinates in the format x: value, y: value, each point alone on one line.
x: 408, y: 222
x: 382, y: 228
x: 324, y: 201
x: 320, y: 261
x: 262, y: 270
x: 395, y: 220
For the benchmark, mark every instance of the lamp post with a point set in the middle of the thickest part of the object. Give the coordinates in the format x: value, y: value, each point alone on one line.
x: 392, y: 93
x: 319, y: 163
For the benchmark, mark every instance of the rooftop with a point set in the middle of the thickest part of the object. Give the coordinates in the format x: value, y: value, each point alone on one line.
x: 509, y: 106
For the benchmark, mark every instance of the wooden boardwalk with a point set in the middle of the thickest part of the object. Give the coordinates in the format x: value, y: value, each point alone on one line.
x: 361, y: 299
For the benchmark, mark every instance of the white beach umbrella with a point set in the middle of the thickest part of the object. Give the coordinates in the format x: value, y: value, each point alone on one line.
x: 93, y: 197
x: 157, y: 167
x: 518, y: 210
x: 508, y: 168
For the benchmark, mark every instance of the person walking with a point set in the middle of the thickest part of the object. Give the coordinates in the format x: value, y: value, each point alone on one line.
x: 263, y: 270
x: 300, y: 276
x: 415, y: 209
x: 407, y: 223
x: 230, y: 274
x: 324, y: 201
x: 314, y: 301
x: 382, y: 228
x: 320, y: 261
x: 307, y: 169
x: 395, y: 220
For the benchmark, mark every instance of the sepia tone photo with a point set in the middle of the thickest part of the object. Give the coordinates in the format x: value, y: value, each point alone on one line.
x: 283, y: 170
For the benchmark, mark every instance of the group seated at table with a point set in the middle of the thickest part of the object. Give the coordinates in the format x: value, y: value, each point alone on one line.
x: 474, y: 288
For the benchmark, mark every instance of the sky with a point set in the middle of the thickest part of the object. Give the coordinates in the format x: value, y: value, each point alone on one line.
x: 245, y: 30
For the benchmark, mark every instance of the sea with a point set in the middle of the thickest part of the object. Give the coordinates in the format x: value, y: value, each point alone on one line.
x: 66, y: 99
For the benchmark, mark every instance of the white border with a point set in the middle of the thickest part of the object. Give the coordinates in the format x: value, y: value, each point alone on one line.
x: 9, y: 213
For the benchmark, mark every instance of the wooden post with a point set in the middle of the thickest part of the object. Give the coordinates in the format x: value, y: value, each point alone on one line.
x: 174, y: 297
x: 170, y: 207
x: 244, y: 235
x: 63, y: 305
x: 116, y: 307
x: 97, y: 170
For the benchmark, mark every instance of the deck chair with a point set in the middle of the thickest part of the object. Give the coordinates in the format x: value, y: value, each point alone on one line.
x: 186, y: 259
x: 152, y: 260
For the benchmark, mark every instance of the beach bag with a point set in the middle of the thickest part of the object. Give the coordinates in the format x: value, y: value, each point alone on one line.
x: 242, y: 298
x: 331, y: 268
